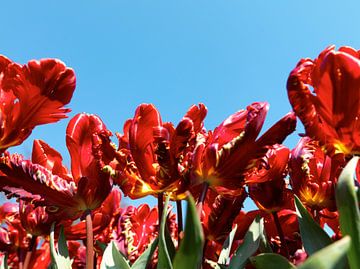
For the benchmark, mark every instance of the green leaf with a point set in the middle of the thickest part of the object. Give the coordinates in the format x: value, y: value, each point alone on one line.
x: 60, y: 258
x: 249, y: 246
x: 169, y: 244
x: 270, y: 261
x: 4, y: 262
x: 330, y: 257
x: 146, y: 257
x: 313, y: 236
x: 215, y: 265
x: 113, y: 259
x: 101, y: 245
x: 190, y: 251
x: 164, y: 259
x: 347, y: 204
x: 264, y: 245
x: 224, y: 257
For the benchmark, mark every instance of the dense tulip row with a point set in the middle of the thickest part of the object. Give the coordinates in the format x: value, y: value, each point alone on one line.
x: 220, y: 169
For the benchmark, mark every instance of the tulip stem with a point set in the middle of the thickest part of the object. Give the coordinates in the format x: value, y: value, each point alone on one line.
x: 202, y: 197
x: 160, y: 206
x: 21, y: 258
x: 316, y: 216
x: 281, y: 234
x: 179, y: 218
x: 89, y: 241
x: 31, y: 250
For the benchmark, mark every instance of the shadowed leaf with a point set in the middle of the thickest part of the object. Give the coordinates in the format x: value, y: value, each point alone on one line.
x: 313, y: 236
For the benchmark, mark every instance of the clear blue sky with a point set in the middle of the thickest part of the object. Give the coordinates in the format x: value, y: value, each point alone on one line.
x: 226, y: 54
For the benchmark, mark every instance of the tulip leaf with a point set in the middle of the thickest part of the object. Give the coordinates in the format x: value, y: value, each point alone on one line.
x: 101, y: 245
x: 190, y: 252
x: 313, y: 236
x: 249, y: 246
x: 349, y: 215
x: 59, y: 257
x: 264, y: 246
x: 224, y: 257
x: 330, y: 257
x: 146, y: 257
x: 215, y: 265
x: 113, y: 259
x: 164, y: 258
x: 271, y: 260
x: 169, y: 244
x: 4, y: 262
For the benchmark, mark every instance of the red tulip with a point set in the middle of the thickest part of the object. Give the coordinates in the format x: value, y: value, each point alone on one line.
x: 49, y: 183
x: 331, y: 114
x: 223, y: 157
x: 153, y: 156
x: 266, y: 182
x: 313, y: 174
x: 219, y: 213
x: 35, y: 220
x: 31, y: 95
x: 137, y: 228
x: 103, y: 219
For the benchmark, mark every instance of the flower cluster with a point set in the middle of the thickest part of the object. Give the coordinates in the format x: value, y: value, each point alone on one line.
x: 220, y: 169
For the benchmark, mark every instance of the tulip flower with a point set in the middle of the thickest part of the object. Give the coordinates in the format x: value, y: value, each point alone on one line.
x: 153, y: 156
x: 225, y: 155
x: 31, y: 95
x: 313, y: 174
x: 331, y: 114
x: 48, y: 182
x: 138, y: 227
x: 266, y: 181
x: 218, y: 214
x: 103, y: 219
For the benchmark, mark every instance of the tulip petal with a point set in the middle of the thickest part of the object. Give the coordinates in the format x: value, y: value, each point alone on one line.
x: 41, y: 89
x: 24, y: 179
x: 49, y: 158
x: 141, y: 139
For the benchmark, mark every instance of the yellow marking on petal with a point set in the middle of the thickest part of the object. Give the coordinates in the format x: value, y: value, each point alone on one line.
x: 318, y: 199
x: 129, y: 236
x: 341, y: 148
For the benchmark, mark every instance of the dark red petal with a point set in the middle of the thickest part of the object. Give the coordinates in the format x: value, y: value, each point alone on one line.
x: 221, y: 213
x: 101, y: 217
x: 41, y: 89
x: 197, y: 114
x: 141, y: 138
x: 313, y: 174
x: 338, y: 94
x: 302, y: 100
x: 124, y: 139
x: 236, y: 155
x: 331, y: 115
x: 87, y: 139
x: 181, y: 137
x: 230, y: 128
x: 24, y: 179
x: 4, y: 62
x: 49, y: 158
x: 279, y: 131
x: 272, y: 167
x: 90, y: 150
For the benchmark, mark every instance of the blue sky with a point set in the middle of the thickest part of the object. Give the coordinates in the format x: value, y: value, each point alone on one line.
x: 226, y: 54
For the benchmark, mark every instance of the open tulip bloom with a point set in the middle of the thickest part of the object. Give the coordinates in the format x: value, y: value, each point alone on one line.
x: 74, y: 217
